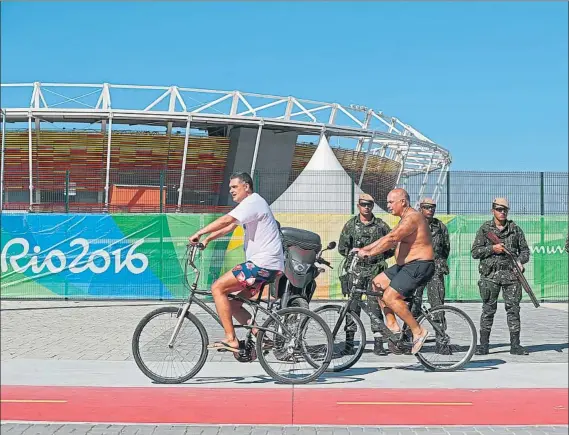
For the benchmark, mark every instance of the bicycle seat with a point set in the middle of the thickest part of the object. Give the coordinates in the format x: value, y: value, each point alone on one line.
x: 270, y: 281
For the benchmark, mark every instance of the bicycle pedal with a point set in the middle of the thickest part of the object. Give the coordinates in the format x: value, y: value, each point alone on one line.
x: 246, y: 352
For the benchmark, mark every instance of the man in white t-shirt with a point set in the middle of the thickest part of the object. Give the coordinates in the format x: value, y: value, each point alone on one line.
x: 263, y: 254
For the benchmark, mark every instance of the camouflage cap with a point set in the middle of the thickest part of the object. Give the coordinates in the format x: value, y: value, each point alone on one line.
x: 365, y: 197
x: 430, y: 201
x: 501, y: 201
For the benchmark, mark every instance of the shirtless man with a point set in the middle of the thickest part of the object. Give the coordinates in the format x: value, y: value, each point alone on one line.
x: 414, y: 266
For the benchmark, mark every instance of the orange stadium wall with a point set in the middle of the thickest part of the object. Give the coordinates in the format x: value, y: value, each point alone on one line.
x: 138, y: 158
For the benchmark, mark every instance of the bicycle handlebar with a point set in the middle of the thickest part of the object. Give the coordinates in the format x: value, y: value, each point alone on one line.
x: 355, y: 260
x: 191, y: 251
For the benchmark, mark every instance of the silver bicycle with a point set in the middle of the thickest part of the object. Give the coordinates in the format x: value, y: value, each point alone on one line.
x: 170, y: 344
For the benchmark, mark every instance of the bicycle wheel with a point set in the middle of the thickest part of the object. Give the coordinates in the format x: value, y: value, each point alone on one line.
x: 346, y: 352
x: 151, y: 352
x: 452, y: 349
x: 308, y: 335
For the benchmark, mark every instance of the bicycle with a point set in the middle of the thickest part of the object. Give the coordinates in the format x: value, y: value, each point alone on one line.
x: 436, y: 318
x: 288, y: 327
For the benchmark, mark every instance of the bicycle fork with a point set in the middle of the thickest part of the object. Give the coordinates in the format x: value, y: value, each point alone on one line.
x: 181, y: 317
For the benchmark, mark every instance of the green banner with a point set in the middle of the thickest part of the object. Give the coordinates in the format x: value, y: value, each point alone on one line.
x: 140, y: 256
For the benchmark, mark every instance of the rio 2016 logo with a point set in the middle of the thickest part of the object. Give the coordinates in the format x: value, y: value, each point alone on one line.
x: 56, y: 261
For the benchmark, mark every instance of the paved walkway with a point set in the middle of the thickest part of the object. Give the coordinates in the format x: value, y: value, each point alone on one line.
x: 102, y: 331
x: 87, y: 344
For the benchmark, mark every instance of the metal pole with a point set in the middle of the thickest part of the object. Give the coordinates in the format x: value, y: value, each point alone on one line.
x: 161, y: 190
x: 424, y: 183
x: 183, y: 173
x: 30, y: 160
x: 438, y: 185
x: 257, y: 142
x: 108, y: 162
x: 542, y: 233
x: 403, y: 159
x: 67, y: 191
x: 365, y: 160
x: 447, y: 176
x: 2, y: 161
x: 365, y: 125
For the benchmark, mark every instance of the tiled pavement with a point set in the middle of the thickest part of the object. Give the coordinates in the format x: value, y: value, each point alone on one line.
x: 95, y: 330
x: 102, y: 429
x: 90, y: 330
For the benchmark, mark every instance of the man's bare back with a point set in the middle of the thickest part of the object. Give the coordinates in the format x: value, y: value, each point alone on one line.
x: 415, y: 246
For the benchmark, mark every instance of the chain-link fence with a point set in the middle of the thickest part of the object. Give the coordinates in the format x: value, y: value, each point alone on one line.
x: 469, y: 192
x: 156, y: 191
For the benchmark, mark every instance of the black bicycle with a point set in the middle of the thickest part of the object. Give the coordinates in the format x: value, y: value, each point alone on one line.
x: 450, y: 347
x: 170, y: 344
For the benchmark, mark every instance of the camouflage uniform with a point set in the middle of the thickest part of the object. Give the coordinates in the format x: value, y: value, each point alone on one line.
x: 357, y: 234
x: 495, y: 275
x: 436, y: 286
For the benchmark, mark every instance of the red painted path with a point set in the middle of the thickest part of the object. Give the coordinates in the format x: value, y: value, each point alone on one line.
x: 322, y: 406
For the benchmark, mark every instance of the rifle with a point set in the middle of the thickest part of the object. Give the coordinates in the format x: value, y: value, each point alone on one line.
x: 516, y: 268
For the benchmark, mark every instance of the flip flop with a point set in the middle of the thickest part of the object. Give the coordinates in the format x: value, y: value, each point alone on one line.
x: 222, y: 346
x: 418, y: 343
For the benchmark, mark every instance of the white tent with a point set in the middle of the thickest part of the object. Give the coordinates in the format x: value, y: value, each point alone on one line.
x: 323, y: 186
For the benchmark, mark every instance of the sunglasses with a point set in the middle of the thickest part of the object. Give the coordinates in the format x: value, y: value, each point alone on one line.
x: 366, y: 204
x: 501, y: 209
x: 429, y: 207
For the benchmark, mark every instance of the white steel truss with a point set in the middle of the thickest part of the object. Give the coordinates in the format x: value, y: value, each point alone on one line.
x: 174, y: 106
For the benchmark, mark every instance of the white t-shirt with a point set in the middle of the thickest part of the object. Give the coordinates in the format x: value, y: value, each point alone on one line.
x: 262, y: 244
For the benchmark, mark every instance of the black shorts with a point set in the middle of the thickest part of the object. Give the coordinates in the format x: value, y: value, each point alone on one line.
x: 409, y: 277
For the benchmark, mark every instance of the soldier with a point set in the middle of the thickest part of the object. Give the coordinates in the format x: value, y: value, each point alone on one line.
x: 361, y: 230
x: 496, y: 274
x: 436, y: 286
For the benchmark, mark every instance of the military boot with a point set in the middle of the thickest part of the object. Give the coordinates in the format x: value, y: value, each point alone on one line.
x: 378, y: 348
x: 484, y: 347
x: 515, y: 347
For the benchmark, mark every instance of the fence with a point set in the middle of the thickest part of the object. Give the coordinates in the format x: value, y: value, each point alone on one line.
x: 71, y: 191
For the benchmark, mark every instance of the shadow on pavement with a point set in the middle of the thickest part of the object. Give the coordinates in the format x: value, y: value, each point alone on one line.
x: 214, y: 380
x: 328, y: 378
x: 532, y: 348
x: 473, y: 365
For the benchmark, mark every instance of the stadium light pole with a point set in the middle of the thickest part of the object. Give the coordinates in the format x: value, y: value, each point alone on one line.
x: 2, y: 161
x: 184, y: 158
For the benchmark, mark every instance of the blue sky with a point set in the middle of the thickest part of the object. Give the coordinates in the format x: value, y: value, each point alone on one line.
x: 488, y: 81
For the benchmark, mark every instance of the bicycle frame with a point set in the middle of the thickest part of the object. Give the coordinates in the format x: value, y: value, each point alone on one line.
x: 191, y: 251
x: 396, y: 338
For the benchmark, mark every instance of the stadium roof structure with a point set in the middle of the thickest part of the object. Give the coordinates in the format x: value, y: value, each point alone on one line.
x: 180, y: 107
